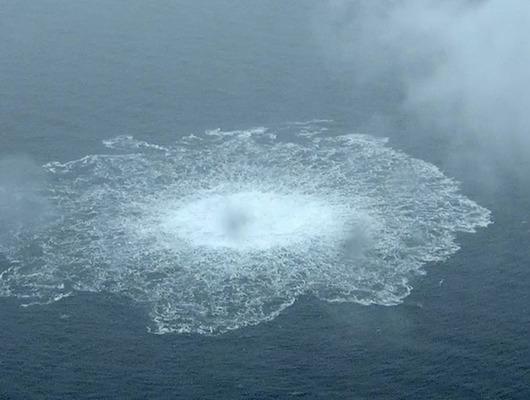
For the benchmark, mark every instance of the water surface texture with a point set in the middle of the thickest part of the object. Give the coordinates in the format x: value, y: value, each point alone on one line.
x: 226, y: 229
x: 168, y: 230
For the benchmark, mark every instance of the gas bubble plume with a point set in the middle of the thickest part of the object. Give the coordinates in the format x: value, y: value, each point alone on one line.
x: 226, y: 229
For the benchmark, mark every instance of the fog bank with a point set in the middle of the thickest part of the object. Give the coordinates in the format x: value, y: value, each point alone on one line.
x: 22, y: 200
x: 461, y: 68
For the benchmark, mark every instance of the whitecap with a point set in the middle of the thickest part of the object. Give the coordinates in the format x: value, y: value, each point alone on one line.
x: 223, y: 230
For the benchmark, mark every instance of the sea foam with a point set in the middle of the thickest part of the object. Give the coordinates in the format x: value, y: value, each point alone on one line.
x: 226, y: 229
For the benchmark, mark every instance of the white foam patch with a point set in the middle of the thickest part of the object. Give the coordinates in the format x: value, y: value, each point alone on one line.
x: 253, y: 220
x: 225, y: 229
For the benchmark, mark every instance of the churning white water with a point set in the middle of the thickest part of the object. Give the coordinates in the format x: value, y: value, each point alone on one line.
x: 253, y: 220
x: 226, y: 229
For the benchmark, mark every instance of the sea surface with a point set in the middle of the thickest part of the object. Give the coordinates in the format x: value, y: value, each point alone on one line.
x: 105, y: 94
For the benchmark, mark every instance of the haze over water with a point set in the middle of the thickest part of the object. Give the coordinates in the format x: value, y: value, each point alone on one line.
x: 185, y: 169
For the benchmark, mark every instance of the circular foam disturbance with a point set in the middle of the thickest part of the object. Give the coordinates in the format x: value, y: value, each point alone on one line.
x: 226, y: 229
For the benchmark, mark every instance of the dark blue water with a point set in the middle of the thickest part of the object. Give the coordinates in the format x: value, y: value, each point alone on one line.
x: 74, y: 73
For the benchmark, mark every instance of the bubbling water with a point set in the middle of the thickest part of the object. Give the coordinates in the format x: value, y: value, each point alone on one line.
x: 226, y: 229
x: 252, y: 220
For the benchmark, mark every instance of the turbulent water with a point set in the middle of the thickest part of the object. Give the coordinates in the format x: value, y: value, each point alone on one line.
x: 226, y: 229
